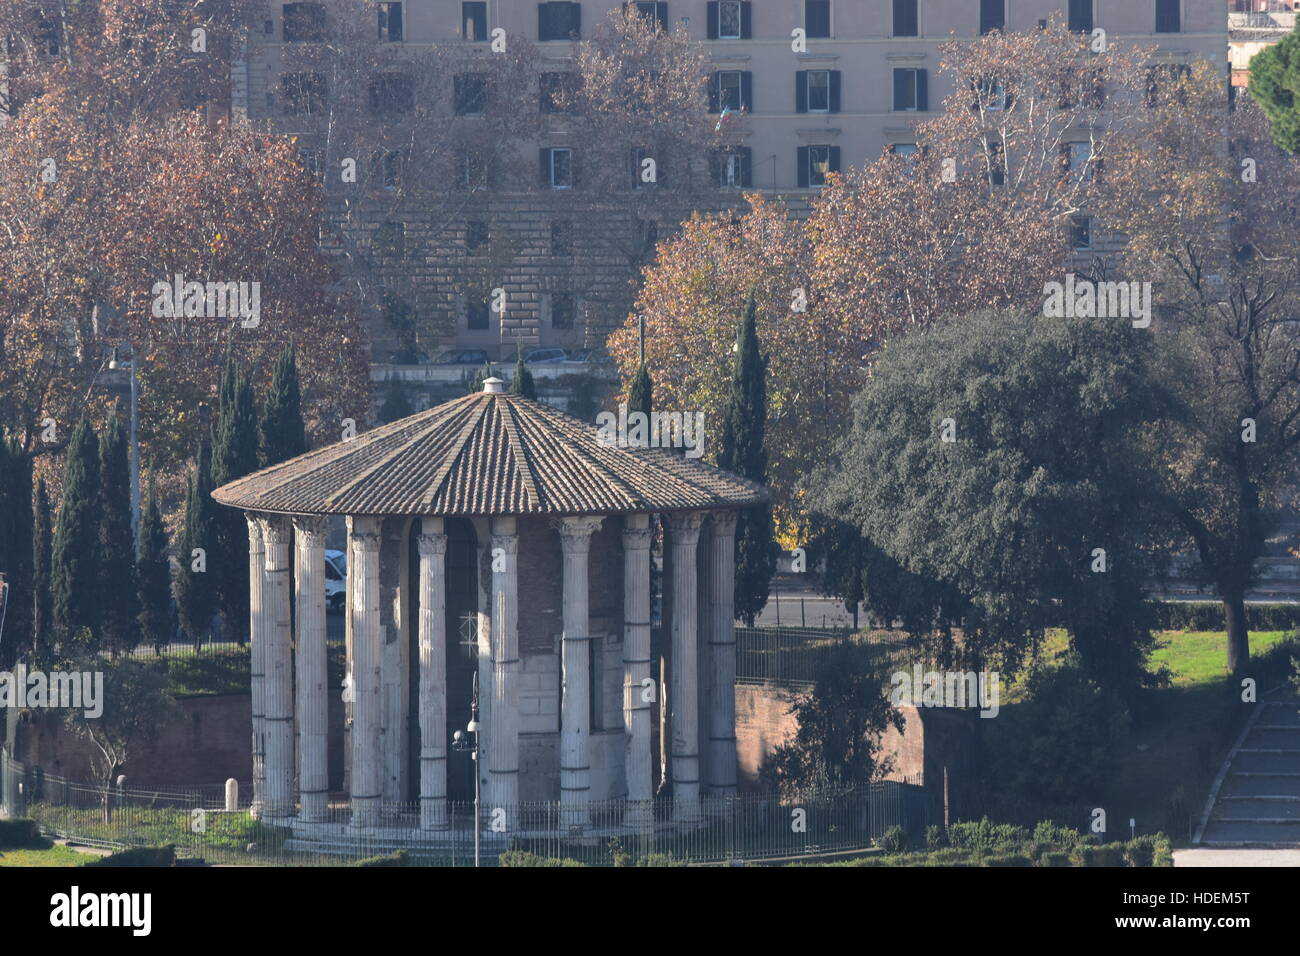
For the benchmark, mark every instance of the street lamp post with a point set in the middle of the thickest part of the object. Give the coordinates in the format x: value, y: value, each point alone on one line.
x: 461, y: 743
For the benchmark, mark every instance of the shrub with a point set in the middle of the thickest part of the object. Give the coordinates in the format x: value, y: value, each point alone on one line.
x: 1164, y: 853
x: 985, y: 836
x: 396, y: 858
x: 1045, y: 831
x: 525, y: 858
x: 139, y: 856
x: 894, y: 840
x: 1140, y: 851
x: 1054, y: 858
x: 936, y: 838
x: 21, y: 834
x: 660, y: 859
x: 1012, y: 859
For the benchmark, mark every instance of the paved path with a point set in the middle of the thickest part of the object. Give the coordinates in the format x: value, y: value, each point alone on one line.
x: 1208, y: 857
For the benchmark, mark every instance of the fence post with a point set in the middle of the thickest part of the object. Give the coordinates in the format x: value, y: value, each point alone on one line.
x: 232, y: 795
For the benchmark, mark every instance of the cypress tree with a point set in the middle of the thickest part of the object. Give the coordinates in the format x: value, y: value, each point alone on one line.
x: 153, y: 575
x: 15, y: 547
x: 396, y: 403
x: 282, y: 432
x: 522, y: 383
x: 75, y: 561
x: 42, y: 598
x: 196, y: 598
x: 640, y: 393
x: 742, y: 452
x: 234, y: 455
x: 119, y: 607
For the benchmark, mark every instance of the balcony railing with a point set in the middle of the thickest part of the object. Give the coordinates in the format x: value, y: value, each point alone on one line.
x: 1276, y: 20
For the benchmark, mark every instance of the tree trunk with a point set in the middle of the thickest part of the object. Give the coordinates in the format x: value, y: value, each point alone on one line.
x: 1234, y: 616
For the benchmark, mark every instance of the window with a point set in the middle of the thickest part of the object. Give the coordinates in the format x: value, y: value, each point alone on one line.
x: 817, y: 91
x: 557, y: 167
x: 476, y: 169
x: 1082, y: 88
x: 303, y: 93
x: 730, y: 20
x: 1080, y: 233
x: 391, y: 93
x: 555, y: 87
x: 470, y: 93
x: 312, y: 159
x: 1165, y: 75
x: 473, y: 20
x: 390, y: 22
x: 733, y: 167
x: 390, y: 240
x: 304, y: 22
x: 477, y: 315
x: 732, y: 90
x: 49, y: 36
x: 815, y: 163
x: 817, y: 19
x: 991, y: 94
x: 640, y: 170
x: 996, y: 164
x: 562, y: 238
x: 388, y: 167
x: 1078, y: 160
x: 559, y: 21
x: 911, y: 90
x: 1168, y: 16
x: 906, y: 20
x: 476, y: 235
x: 655, y: 12
x: 1080, y: 16
x: 993, y: 15
x: 562, y: 310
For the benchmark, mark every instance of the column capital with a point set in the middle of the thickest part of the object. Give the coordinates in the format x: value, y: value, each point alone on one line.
x: 685, y: 527
x: 724, y: 522
x: 311, y: 530
x: 636, y: 537
x: 508, y: 543
x: 431, y: 543
x: 363, y: 534
x: 575, y: 533
x: 254, y: 531
x: 276, y: 529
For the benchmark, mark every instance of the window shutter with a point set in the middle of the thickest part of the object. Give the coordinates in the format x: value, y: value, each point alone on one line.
x: 747, y: 90
x: 835, y: 91
x: 801, y: 91
x: 834, y: 165
x: 922, y: 91
x: 803, y: 167
x: 900, y: 84
x: 661, y: 15
x: 575, y: 20
x: 712, y: 30
x: 543, y: 21
x: 545, y: 156
x: 746, y: 167
x: 746, y: 20
x: 575, y: 169
x: 716, y: 160
x: 715, y: 92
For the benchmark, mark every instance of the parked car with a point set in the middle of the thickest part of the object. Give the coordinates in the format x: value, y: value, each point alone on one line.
x: 462, y: 357
x: 594, y: 357
x: 408, y: 357
x: 544, y: 356
x: 336, y: 577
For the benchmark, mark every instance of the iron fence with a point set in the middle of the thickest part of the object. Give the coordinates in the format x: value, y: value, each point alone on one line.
x: 790, y: 656
x: 614, y: 832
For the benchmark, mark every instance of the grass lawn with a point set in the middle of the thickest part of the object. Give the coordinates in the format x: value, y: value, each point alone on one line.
x: 55, y: 855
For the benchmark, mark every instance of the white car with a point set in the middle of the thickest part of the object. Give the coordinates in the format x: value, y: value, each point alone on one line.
x: 336, y: 576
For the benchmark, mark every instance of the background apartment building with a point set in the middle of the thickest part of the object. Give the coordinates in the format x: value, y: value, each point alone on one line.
x: 868, y: 73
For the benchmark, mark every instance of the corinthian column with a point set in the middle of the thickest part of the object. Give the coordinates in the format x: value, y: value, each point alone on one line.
x: 432, y: 544
x: 636, y: 667
x: 257, y: 659
x: 575, y: 660
x: 720, y: 588
x: 313, y: 700
x: 277, y: 534
x: 367, y: 656
x: 683, y: 697
x: 503, y: 732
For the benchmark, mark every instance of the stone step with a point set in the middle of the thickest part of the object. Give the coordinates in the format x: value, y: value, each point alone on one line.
x: 1261, y: 785
x: 1234, y: 833
x: 1265, y: 761
x: 1245, y: 809
x: 1273, y: 738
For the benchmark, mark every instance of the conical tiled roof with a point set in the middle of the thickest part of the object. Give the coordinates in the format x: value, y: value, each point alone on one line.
x: 487, y: 454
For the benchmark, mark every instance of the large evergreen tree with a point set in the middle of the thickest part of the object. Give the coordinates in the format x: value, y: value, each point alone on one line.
x: 153, y: 575
x: 282, y: 433
x: 522, y: 383
x: 42, y: 598
x: 641, y: 392
x: 119, y: 607
x: 75, y: 563
x: 396, y: 404
x: 742, y: 452
x: 15, y: 547
x: 1275, y: 86
x: 196, y: 598
x: 234, y: 455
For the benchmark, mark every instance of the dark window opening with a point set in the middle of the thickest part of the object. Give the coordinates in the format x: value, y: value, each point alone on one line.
x: 304, y: 22
x: 390, y: 22
x: 473, y: 18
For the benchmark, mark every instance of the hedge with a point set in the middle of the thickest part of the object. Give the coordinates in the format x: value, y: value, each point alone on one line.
x: 1208, y: 616
x: 140, y: 856
x: 20, y: 834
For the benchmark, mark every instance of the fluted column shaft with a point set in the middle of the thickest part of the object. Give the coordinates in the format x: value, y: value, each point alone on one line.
x: 277, y: 535
x: 503, y: 734
x: 683, y: 698
x: 720, y: 587
x: 312, y: 698
x: 575, y: 710
x: 367, y: 657
x: 257, y: 658
x: 432, y: 545
x: 636, y: 666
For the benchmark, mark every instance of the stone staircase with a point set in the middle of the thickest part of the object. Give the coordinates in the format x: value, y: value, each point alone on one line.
x: 1256, y: 801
